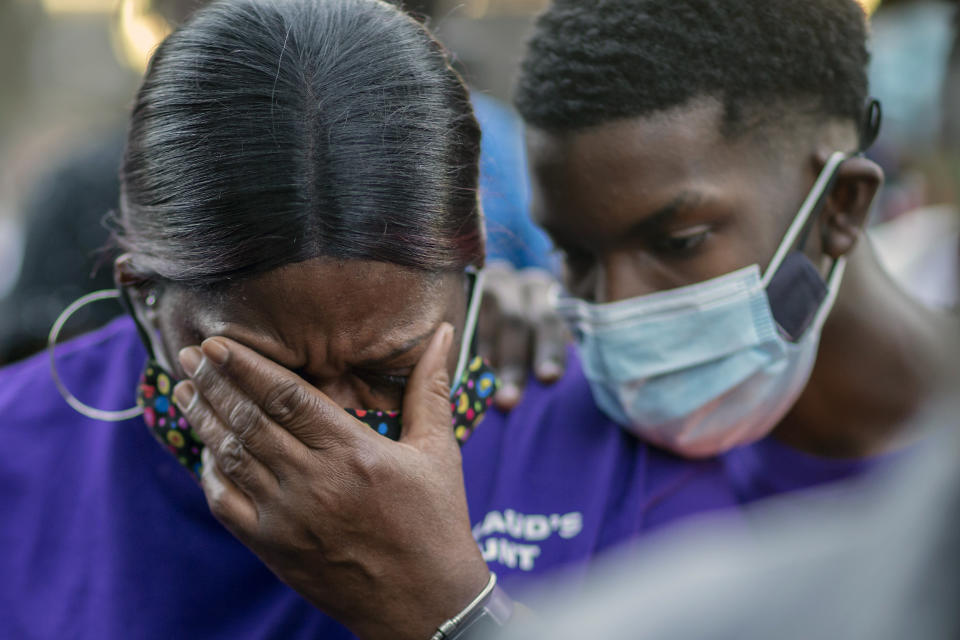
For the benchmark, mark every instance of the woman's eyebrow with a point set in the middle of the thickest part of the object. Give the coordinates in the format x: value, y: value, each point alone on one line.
x: 396, y: 353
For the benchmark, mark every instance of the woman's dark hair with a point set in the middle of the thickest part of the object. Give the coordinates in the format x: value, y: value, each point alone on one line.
x: 268, y: 132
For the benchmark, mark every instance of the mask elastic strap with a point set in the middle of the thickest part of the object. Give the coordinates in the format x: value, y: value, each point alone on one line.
x: 72, y: 400
x: 812, y: 203
x: 873, y: 118
x: 470, y: 326
x: 144, y: 336
x: 834, y: 278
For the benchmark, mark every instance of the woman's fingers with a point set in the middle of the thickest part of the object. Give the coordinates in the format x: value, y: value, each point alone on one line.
x: 235, y: 410
x: 426, y: 400
x: 280, y: 406
x: 233, y: 458
x: 234, y: 509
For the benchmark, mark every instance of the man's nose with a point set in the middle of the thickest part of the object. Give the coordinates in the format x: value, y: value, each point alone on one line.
x: 621, y: 276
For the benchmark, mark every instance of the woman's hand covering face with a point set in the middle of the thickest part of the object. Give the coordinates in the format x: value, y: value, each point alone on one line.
x: 518, y: 330
x: 374, y: 532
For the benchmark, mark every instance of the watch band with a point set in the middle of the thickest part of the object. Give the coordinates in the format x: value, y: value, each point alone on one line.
x: 490, y: 618
x: 489, y: 611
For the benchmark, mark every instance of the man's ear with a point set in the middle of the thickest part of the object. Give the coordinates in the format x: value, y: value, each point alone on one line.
x: 847, y: 206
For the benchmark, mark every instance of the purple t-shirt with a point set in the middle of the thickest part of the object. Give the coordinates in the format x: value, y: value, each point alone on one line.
x: 103, y: 535
x: 768, y: 467
x: 558, y: 481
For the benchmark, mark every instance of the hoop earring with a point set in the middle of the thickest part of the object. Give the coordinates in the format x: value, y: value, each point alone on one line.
x: 76, y: 404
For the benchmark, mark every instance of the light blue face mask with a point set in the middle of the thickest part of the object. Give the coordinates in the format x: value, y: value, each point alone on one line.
x: 707, y: 367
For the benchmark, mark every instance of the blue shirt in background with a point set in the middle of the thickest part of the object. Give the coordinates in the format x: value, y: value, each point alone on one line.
x: 505, y: 188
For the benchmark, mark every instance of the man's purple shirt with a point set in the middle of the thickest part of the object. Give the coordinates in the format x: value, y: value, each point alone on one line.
x: 769, y: 468
x: 103, y: 535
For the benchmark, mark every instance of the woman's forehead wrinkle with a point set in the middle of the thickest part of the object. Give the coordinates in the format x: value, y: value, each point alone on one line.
x: 398, y: 313
x: 328, y: 315
x: 393, y: 344
x: 237, y: 320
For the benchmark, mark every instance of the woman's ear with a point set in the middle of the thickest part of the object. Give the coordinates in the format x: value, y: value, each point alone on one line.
x: 847, y: 206
x: 140, y: 293
x: 143, y: 295
x: 124, y: 275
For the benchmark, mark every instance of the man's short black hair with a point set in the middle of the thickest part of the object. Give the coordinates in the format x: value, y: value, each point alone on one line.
x: 594, y: 61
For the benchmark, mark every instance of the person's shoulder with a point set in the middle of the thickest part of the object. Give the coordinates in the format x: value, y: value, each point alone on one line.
x: 769, y: 467
x: 552, y: 424
x: 678, y: 487
x: 579, y: 481
x: 27, y: 387
x: 566, y: 404
x: 562, y: 420
x: 672, y: 484
x: 94, y: 345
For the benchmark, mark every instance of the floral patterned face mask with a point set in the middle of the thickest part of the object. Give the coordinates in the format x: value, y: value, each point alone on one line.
x: 470, y: 397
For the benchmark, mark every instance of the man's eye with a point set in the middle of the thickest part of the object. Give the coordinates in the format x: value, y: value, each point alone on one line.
x: 683, y: 242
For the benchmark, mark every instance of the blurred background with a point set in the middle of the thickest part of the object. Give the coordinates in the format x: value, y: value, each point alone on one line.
x: 69, y: 69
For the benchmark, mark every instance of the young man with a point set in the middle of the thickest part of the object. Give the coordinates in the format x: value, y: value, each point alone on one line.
x: 698, y: 162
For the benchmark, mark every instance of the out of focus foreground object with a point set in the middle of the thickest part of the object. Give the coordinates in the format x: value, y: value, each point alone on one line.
x: 875, y: 561
x: 916, y: 72
x: 921, y: 251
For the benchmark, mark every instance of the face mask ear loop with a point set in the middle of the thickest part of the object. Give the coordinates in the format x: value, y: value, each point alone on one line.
x: 834, y: 278
x: 469, y: 327
x: 144, y: 336
x: 812, y: 203
x: 869, y: 131
x: 75, y: 404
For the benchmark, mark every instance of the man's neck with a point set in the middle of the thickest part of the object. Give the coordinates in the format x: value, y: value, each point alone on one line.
x: 881, y: 358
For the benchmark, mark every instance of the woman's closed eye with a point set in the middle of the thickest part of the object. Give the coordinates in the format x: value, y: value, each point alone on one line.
x: 384, y: 382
